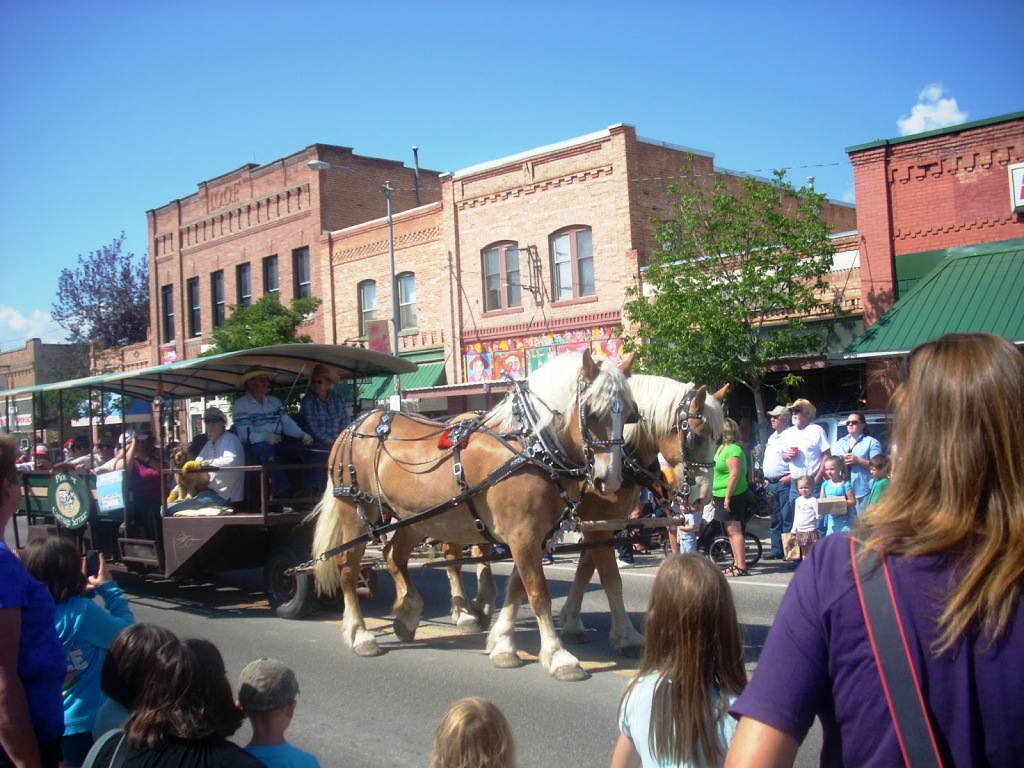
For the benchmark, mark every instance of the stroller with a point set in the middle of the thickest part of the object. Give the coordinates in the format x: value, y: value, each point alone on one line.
x: 714, y: 542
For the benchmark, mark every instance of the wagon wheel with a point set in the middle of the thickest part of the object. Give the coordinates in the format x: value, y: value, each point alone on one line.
x: 291, y: 597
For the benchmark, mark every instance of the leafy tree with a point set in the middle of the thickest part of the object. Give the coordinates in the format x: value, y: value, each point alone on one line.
x: 105, y: 300
x: 736, y: 272
x: 263, y: 323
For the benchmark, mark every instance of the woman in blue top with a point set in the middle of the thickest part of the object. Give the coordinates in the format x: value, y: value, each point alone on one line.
x: 730, y: 483
x: 85, y: 629
x: 32, y: 661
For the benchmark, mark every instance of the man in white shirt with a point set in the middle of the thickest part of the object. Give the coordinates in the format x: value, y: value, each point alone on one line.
x: 222, y: 449
x: 805, y: 446
x: 776, y: 472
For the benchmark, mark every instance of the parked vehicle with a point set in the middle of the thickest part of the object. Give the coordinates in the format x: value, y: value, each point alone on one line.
x: 260, y: 532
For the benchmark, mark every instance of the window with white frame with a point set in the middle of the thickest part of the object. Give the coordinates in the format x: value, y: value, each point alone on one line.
x: 303, y: 275
x: 572, y: 264
x: 217, y: 297
x: 406, y: 301
x: 195, y: 323
x: 502, y: 285
x: 243, y: 283
x: 167, y: 308
x: 271, y: 283
x: 367, y: 304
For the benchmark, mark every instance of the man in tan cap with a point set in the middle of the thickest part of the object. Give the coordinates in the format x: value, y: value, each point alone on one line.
x: 805, y: 446
x: 325, y: 415
x: 222, y: 449
x: 261, y: 420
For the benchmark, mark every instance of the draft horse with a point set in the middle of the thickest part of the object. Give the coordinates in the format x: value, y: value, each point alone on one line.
x: 679, y: 421
x: 504, y: 479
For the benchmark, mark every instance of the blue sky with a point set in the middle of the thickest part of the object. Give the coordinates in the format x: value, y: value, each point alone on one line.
x: 110, y: 108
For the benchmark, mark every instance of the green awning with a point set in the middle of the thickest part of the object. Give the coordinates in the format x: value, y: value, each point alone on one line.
x: 976, y: 288
x: 382, y: 387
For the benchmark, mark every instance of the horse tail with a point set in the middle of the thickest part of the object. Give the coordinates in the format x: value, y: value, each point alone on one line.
x: 327, y: 535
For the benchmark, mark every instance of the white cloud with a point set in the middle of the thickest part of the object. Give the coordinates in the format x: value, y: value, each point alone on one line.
x: 849, y: 196
x: 16, y: 328
x: 932, y: 111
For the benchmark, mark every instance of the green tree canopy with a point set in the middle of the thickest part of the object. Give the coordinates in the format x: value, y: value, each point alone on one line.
x: 263, y: 323
x: 105, y: 300
x: 735, y: 274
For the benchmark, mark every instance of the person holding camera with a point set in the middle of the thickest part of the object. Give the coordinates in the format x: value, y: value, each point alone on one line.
x: 85, y: 629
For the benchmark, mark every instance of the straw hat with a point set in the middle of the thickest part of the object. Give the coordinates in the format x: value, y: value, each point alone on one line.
x: 328, y: 373
x: 255, y: 372
x: 805, y: 404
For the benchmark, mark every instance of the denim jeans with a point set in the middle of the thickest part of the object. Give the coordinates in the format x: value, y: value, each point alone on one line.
x: 782, y: 517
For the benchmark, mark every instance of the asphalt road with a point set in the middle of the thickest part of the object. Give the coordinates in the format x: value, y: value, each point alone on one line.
x: 356, y: 712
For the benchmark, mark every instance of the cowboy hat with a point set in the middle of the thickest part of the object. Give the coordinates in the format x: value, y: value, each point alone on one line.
x: 322, y: 370
x: 805, y: 405
x: 255, y: 372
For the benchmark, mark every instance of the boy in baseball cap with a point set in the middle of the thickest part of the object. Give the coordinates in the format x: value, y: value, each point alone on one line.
x: 266, y: 693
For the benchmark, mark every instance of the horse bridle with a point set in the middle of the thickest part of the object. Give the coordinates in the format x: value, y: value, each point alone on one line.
x: 687, y: 441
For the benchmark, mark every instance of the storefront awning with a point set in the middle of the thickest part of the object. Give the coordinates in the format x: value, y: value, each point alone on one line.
x: 976, y: 288
x: 382, y: 387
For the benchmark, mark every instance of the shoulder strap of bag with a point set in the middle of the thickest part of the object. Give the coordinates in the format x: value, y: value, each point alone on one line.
x: 892, y: 656
x: 97, y: 747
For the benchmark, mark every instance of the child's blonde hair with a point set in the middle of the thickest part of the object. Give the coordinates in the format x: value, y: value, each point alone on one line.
x: 692, y: 641
x: 473, y: 733
x: 804, y: 480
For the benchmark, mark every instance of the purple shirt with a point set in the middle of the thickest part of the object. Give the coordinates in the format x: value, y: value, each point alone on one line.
x: 817, y: 661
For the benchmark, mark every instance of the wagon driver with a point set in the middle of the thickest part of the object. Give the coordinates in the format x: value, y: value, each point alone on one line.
x: 260, y: 420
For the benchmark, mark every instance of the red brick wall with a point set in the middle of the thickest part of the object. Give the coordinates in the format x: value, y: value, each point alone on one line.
x: 936, y: 192
x: 254, y: 212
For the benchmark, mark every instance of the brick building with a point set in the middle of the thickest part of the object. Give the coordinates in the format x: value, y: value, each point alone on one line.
x: 522, y: 258
x: 256, y: 230
x: 35, y: 363
x: 941, y: 239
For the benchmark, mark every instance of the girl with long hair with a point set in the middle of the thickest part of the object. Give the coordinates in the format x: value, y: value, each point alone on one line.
x: 675, y: 710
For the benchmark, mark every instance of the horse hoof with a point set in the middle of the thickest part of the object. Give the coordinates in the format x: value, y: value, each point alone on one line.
x: 570, y: 674
x: 506, y: 661
x: 468, y: 626
x: 367, y: 650
x: 574, y: 637
x: 632, y: 651
x: 404, y: 633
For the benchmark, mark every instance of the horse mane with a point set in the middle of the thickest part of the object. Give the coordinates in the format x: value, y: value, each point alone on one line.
x: 657, y: 397
x: 552, y: 388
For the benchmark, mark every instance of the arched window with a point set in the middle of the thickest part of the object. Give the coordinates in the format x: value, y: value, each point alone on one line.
x: 367, y: 304
x: 500, y: 269
x: 572, y: 264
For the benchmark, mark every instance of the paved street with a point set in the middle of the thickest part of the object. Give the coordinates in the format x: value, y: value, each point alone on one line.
x: 368, y: 712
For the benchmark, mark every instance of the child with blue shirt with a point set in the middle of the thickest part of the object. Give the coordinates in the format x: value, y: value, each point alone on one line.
x: 266, y: 693
x: 836, y: 486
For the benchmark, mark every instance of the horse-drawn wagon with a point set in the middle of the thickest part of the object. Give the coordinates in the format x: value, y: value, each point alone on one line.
x: 259, y: 532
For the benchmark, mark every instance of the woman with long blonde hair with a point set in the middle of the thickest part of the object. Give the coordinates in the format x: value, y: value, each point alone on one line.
x: 951, y: 530
x: 675, y: 710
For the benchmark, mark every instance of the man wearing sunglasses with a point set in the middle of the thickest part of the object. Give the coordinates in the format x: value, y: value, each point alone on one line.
x: 857, y: 448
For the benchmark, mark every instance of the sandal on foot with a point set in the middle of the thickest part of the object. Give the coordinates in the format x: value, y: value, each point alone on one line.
x: 733, y: 571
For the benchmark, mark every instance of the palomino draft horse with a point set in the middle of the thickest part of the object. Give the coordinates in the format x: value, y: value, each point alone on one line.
x: 677, y: 420
x: 682, y: 423
x: 498, y: 480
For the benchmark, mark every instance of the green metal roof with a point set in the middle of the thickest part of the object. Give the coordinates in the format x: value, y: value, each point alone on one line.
x: 937, y: 132
x: 976, y: 288
x: 382, y: 387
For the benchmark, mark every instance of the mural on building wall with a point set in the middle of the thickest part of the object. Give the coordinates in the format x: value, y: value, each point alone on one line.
x: 488, y: 360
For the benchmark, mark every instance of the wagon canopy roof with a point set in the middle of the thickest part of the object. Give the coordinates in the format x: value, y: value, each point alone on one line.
x: 218, y: 374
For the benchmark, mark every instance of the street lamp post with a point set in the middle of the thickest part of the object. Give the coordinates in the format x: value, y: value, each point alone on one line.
x: 385, y: 189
